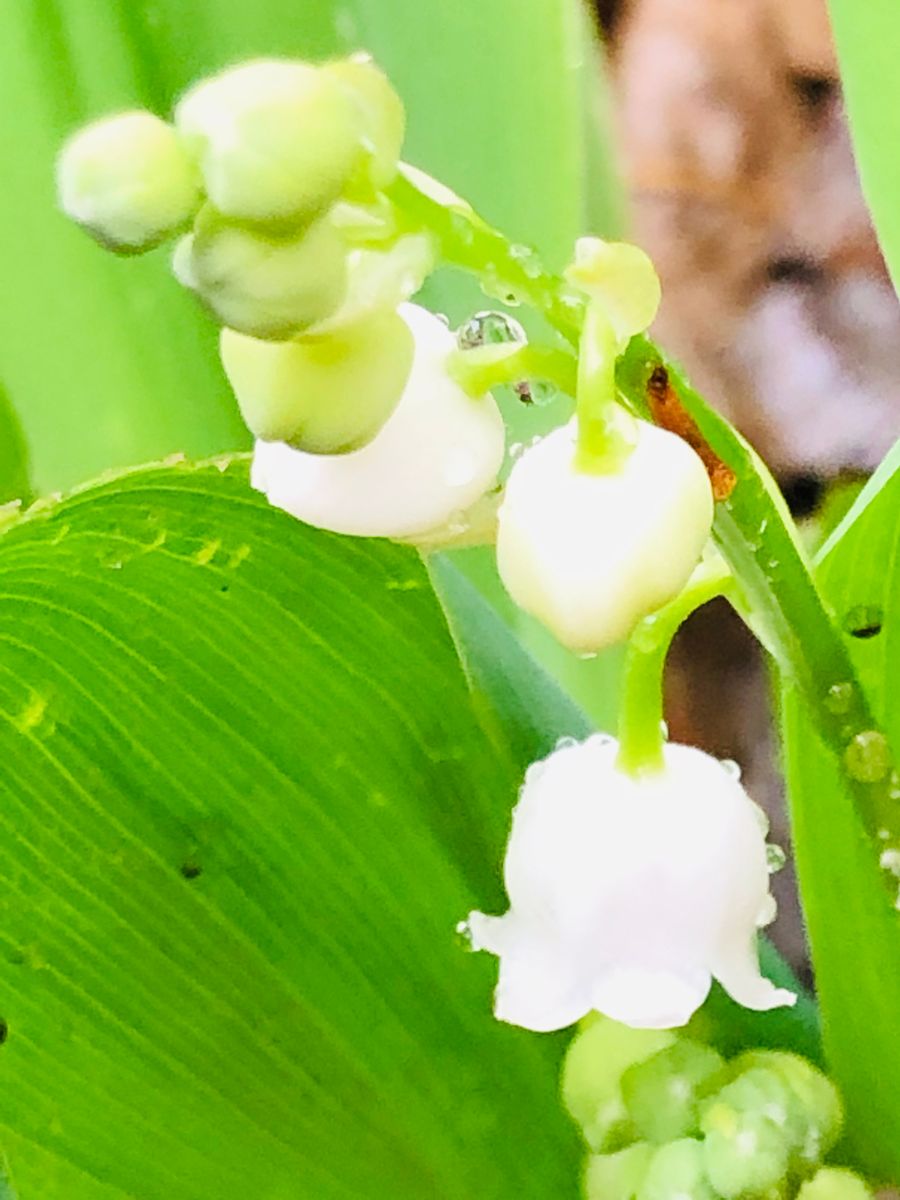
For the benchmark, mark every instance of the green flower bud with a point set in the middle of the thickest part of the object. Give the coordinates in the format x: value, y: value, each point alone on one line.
x: 383, y: 114
x: 814, y: 1101
x: 676, y: 1172
x: 834, y: 1183
x: 745, y: 1154
x: 260, y: 284
x: 325, y: 395
x: 382, y: 278
x: 617, y: 1176
x: 277, y: 140
x: 592, y: 1074
x: 128, y: 180
x: 662, y: 1094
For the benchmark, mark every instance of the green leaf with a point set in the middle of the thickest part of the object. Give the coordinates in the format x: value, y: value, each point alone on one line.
x: 244, y: 799
x: 854, y: 933
x: 867, y: 36
x: 528, y: 713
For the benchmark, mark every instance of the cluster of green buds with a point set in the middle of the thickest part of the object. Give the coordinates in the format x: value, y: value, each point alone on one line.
x: 668, y: 1118
x: 274, y: 173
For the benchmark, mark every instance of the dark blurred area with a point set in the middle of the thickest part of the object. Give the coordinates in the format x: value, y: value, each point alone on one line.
x: 741, y: 185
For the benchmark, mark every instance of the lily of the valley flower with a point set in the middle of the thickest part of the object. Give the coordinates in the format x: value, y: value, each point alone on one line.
x: 590, y: 554
x: 629, y: 894
x: 436, y: 456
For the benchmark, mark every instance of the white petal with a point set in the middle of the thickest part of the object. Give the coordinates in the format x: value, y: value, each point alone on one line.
x: 737, y: 969
x: 648, y: 999
x: 540, y: 986
x: 590, y: 555
x: 437, y: 454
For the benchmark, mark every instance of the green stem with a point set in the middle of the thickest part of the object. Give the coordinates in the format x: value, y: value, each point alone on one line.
x: 752, y: 528
x: 606, y: 433
x: 485, y: 367
x: 641, y: 729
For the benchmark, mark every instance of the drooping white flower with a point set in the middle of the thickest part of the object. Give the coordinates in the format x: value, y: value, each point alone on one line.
x: 436, y: 455
x: 591, y: 554
x: 629, y: 894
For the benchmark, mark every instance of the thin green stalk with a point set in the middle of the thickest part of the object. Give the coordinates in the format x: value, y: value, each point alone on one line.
x: 752, y: 528
x: 641, y: 728
x: 606, y: 433
x: 485, y: 367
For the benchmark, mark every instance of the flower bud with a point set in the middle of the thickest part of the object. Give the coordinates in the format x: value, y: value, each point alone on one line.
x: 812, y: 1101
x: 663, y: 1093
x: 436, y: 455
x: 617, y: 1176
x: 327, y: 395
x: 591, y: 554
x: 277, y: 140
x: 261, y: 284
x: 383, y: 116
x: 744, y: 1153
x: 128, y: 180
x: 628, y: 894
x: 592, y: 1078
x: 621, y: 278
x: 676, y: 1172
x: 834, y: 1183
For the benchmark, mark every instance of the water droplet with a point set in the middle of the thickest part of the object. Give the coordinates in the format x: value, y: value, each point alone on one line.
x: 731, y: 768
x: 767, y: 913
x: 565, y: 743
x: 464, y: 936
x: 839, y: 698
x: 775, y: 858
x: 762, y: 819
x: 890, y: 861
x: 527, y: 259
x: 515, y: 451
x: 868, y: 756
x: 863, y: 620
x: 489, y: 328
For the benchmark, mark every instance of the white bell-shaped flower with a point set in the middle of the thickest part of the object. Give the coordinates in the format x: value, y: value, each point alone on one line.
x: 435, y: 457
x: 629, y: 894
x: 591, y: 554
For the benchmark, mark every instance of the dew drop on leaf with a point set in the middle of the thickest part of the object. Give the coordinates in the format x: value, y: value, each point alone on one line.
x: 868, y: 756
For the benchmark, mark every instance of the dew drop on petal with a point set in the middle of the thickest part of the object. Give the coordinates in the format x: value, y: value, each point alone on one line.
x: 767, y: 913
x: 731, y: 768
x: 890, y: 861
x: 775, y: 858
x: 565, y: 743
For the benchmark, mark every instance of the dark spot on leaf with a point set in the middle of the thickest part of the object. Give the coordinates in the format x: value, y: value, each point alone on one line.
x: 224, y: 587
x: 4, y: 1031
x: 864, y: 621
x: 191, y: 870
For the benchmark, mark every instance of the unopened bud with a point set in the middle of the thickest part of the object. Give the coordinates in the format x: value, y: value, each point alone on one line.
x: 592, y: 1074
x: 662, y: 1094
x: 327, y: 395
x: 621, y: 279
x: 128, y: 180
x: 383, y: 115
x: 277, y: 140
x: 814, y: 1103
x: 591, y: 554
x: 744, y: 1153
x: 264, y: 285
x: 617, y: 1176
x: 834, y: 1183
x: 676, y: 1172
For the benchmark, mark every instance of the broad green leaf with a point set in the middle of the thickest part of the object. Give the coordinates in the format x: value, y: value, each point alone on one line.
x: 867, y: 36
x: 529, y: 713
x: 244, y: 799
x: 854, y: 932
